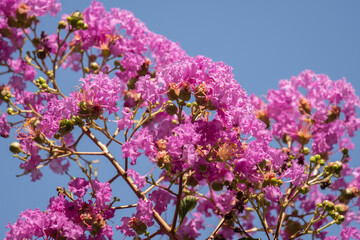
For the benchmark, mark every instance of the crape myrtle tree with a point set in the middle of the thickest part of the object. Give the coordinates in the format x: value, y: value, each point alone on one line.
x: 276, y: 166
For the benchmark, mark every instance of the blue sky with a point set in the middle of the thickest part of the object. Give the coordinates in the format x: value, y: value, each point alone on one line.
x: 264, y: 41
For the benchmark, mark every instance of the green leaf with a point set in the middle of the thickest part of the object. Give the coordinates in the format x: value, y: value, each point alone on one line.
x: 187, y: 204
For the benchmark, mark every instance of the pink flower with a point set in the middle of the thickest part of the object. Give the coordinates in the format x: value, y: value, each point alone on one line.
x: 273, y: 193
x: 296, y: 174
x: 349, y: 232
x: 79, y: 187
x: 139, y: 180
x: 161, y: 198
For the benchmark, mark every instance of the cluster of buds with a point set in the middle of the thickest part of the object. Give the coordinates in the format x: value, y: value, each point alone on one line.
x: 75, y: 20
x: 41, y: 83
x: 269, y: 178
x: 67, y: 125
x: 5, y: 93
x: 175, y: 92
x: 334, y: 211
x: 317, y: 160
x: 333, y: 168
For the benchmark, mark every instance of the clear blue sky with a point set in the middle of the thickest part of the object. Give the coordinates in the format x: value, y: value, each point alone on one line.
x: 264, y: 41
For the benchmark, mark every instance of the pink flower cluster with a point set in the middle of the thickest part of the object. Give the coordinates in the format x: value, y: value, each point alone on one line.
x: 74, y: 219
x: 211, y: 145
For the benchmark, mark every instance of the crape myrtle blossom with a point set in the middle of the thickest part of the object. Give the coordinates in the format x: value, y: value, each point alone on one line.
x: 223, y: 148
x: 311, y: 108
x: 210, y: 84
x: 119, y: 33
x: 73, y: 218
x: 211, y: 145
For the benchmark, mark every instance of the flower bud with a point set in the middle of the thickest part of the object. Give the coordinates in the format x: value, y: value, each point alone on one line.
x: 105, y: 52
x: 62, y: 24
x: 10, y: 111
x: 171, y: 109
x: 200, y: 95
x: 39, y: 138
x: 173, y: 92
x: 264, y: 117
x: 304, y: 106
x: 74, y: 18
x: 325, y: 183
x: 15, y: 147
x: 85, y: 27
x: 292, y: 227
x: 80, y: 24
x: 92, y: 58
x: 338, y: 166
x: 273, y: 181
x: 94, y: 66
x: 333, y: 114
x: 217, y: 185
x: 348, y: 194
x: 185, y: 92
x: 341, y: 208
x: 65, y: 126
x: 329, y: 206
x: 332, y: 214
x: 321, y: 162
x: 312, y: 159
x: 35, y: 123
x: 77, y: 121
x: 304, y: 189
x: 340, y: 219
x: 191, y: 181
x: 41, y: 80
x: 345, y: 151
x: 41, y: 54
x: 306, y: 150
x: 36, y: 41
x: 317, y: 157
x: 117, y: 63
